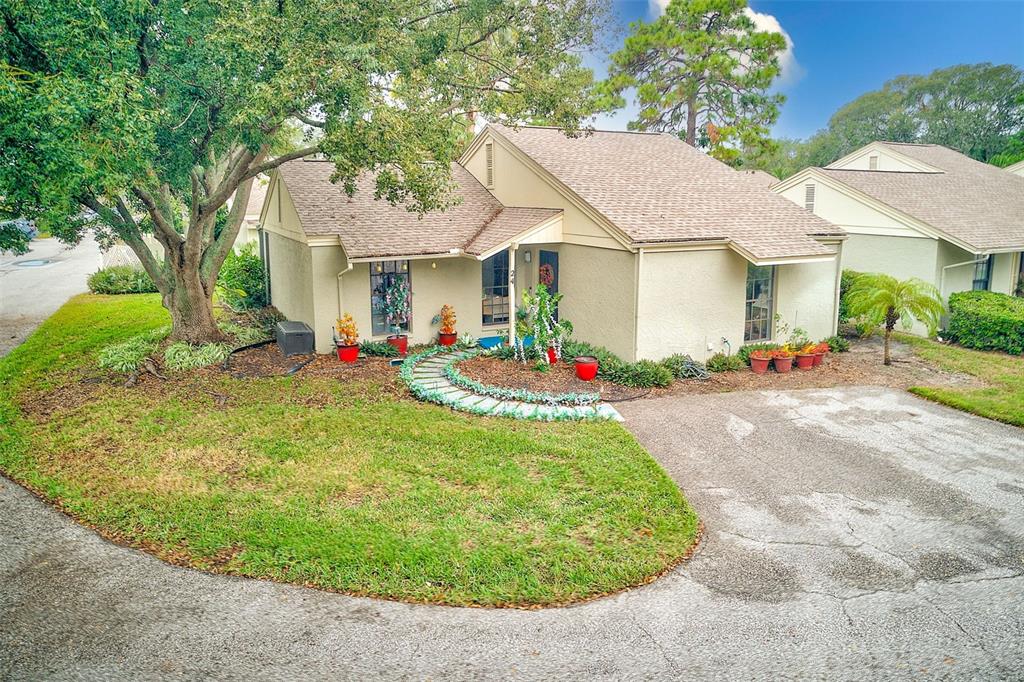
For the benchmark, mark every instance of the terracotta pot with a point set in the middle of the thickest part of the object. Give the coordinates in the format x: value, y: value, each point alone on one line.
x: 586, y: 367
x: 447, y: 339
x: 348, y: 353
x: 759, y: 365
x: 783, y: 365
x: 818, y: 357
x: 805, y: 360
x: 399, y: 341
x: 552, y: 356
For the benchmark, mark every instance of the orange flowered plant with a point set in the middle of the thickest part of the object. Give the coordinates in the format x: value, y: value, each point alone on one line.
x: 783, y: 352
x: 823, y: 347
x: 346, y: 332
x: 447, y: 319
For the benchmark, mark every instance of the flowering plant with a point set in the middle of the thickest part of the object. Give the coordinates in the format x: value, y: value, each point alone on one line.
x: 761, y: 354
x: 447, y: 319
x: 548, y: 332
x: 345, y: 331
x: 397, y: 304
x: 546, y: 274
x: 822, y: 347
x: 808, y: 349
x: 783, y: 352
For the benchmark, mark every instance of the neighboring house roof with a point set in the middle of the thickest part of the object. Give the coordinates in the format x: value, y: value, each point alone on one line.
x: 975, y: 203
x: 1016, y: 168
x: 656, y: 188
x: 256, y: 197
x: 759, y: 177
x: 371, y: 228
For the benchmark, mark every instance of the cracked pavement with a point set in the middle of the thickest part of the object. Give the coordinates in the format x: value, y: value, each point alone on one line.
x: 851, y: 533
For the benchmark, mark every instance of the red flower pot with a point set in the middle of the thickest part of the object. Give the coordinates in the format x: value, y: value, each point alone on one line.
x: 586, y: 367
x: 783, y: 365
x: 348, y: 353
x: 805, y: 360
x: 552, y: 356
x: 447, y: 339
x: 399, y: 341
x: 759, y: 365
x: 818, y: 357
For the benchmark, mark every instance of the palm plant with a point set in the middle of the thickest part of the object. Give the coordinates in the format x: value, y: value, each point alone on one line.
x: 883, y: 299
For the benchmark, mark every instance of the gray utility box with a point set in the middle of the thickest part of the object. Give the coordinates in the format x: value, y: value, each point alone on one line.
x: 294, y: 338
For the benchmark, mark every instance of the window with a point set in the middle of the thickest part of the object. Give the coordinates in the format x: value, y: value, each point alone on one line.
x: 760, y: 302
x: 489, y: 155
x: 382, y: 274
x: 809, y: 197
x: 495, y: 289
x: 982, y: 274
x: 872, y: 163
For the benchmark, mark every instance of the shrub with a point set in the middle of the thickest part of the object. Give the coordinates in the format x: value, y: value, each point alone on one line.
x: 641, y: 374
x: 244, y: 335
x: 985, y: 320
x: 378, y: 349
x: 128, y: 356
x: 837, y: 344
x: 180, y: 356
x: 845, y: 282
x: 121, y: 279
x: 241, y: 282
x: 720, y: 362
x: 684, y: 367
x: 744, y: 352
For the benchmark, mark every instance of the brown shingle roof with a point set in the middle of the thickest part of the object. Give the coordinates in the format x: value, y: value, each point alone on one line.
x: 974, y: 202
x: 369, y: 228
x: 759, y: 177
x: 656, y: 188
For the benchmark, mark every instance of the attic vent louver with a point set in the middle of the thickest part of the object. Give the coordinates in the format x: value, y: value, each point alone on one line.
x: 489, y: 150
x: 809, y: 197
x: 872, y: 163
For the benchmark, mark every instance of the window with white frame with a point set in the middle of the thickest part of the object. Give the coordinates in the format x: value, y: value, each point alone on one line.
x: 982, y: 274
x: 495, y: 307
x: 383, y: 274
x: 760, y: 303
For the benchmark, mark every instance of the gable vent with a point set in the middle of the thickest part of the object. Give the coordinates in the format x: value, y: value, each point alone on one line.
x: 489, y: 150
x: 809, y: 197
x: 872, y: 163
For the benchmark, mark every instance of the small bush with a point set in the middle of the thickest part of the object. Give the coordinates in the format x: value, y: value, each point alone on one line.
x: 684, y: 367
x: 378, y: 349
x: 243, y: 335
x: 121, y: 279
x: 241, y: 282
x: 720, y: 362
x: 744, y: 352
x: 128, y: 356
x: 181, y: 356
x: 837, y: 344
x: 640, y: 374
x: 985, y: 320
x: 845, y: 282
x: 503, y: 351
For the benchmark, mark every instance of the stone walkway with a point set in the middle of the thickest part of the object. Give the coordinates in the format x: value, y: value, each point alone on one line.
x: 430, y: 383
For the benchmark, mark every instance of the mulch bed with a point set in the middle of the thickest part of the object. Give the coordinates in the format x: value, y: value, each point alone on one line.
x: 560, y: 378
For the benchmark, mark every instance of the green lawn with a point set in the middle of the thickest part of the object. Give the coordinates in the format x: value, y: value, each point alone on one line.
x: 340, y: 486
x: 1002, y: 400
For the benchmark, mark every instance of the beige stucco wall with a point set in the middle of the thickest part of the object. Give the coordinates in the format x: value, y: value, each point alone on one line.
x: 901, y: 257
x: 805, y: 297
x: 1004, y: 272
x: 291, y: 278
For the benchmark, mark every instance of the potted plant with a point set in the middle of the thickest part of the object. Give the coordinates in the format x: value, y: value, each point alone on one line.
x: 805, y: 356
x: 396, y: 309
x: 548, y: 333
x: 782, y: 359
x: 447, y: 336
x: 346, y: 338
x: 820, y: 351
x: 759, y: 360
x: 586, y: 367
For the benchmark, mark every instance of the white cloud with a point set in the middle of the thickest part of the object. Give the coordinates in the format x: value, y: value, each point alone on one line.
x: 792, y: 71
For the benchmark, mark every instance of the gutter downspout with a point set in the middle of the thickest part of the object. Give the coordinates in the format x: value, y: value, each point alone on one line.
x: 340, y: 275
x: 512, y: 249
x: 636, y: 302
x: 942, y: 277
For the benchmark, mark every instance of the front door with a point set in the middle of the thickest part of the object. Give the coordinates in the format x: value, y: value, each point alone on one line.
x: 548, y: 272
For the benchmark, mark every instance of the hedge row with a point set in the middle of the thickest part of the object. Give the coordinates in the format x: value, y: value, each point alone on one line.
x: 986, y: 320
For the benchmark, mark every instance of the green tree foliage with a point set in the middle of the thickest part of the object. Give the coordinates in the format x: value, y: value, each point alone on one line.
x: 883, y: 299
x: 977, y: 109
x: 129, y: 117
x: 700, y: 70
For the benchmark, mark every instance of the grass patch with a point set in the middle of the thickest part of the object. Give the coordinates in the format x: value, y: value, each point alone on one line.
x: 1002, y: 400
x: 362, y: 492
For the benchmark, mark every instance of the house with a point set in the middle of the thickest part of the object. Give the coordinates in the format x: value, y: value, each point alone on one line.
x: 921, y: 210
x: 657, y: 248
x: 248, y: 231
x: 1016, y: 168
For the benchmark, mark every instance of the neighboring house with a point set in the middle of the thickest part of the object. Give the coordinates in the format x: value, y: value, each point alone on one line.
x: 657, y: 247
x: 1016, y: 168
x: 248, y: 232
x: 921, y: 210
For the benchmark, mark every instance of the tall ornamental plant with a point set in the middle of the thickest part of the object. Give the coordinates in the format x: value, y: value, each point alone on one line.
x: 397, y: 305
x: 885, y: 300
x: 548, y: 332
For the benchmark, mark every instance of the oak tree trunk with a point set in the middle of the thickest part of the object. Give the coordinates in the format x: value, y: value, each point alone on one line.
x: 190, y: 303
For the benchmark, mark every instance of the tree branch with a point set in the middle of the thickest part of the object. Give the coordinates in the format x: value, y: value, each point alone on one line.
x: 277, y: 161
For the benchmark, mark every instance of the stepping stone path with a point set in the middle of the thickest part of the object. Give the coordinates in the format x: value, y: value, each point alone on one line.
x: 428, y: 373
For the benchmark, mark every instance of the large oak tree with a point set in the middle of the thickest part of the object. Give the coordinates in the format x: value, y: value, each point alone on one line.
x: 136, y: 117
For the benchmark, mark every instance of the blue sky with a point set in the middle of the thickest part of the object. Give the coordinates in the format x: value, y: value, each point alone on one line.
x: 841, y: 49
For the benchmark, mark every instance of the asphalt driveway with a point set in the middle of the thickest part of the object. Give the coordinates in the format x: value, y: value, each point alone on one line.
x: 30, y: 293
x: 851, y: 533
